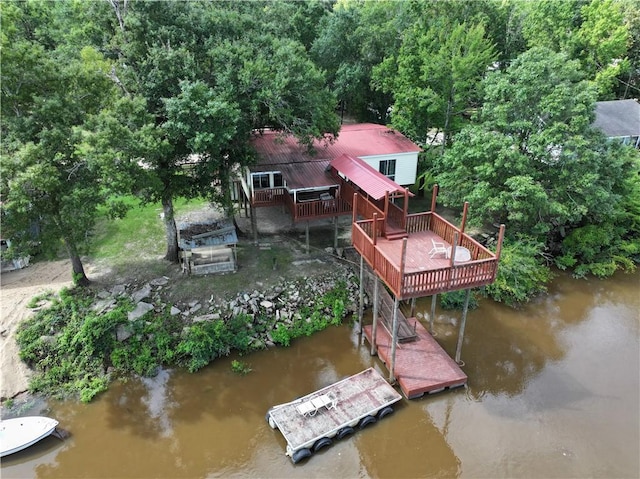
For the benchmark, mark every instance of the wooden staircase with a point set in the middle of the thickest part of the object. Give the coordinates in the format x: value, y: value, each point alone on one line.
x: 394, y: 232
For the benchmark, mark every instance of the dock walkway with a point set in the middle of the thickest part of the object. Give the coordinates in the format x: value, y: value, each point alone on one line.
x: 310, y: 421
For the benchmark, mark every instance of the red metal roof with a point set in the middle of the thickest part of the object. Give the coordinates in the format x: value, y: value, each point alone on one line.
x: 312, y: 174
x: 357, y: 140
x: 374, y: 183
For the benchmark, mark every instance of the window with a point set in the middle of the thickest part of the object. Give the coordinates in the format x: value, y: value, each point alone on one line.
x: 277, y: 180
x: 388, y: 168
x: 260, y: 180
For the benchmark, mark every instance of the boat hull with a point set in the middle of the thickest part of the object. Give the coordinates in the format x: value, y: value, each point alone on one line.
x: 19, y: 433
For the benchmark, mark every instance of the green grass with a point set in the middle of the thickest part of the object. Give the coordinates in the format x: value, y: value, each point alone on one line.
x: 139, y: 234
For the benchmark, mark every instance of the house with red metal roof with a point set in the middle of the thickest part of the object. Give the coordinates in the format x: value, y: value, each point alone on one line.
x: 319, y: 182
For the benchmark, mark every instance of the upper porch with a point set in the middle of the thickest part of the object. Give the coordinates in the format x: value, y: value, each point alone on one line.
x: 409, y: 266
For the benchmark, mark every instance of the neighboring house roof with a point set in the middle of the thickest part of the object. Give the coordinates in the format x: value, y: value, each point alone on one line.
x: 374, y: 183
x: 618, y: 118
x: 358, y: 140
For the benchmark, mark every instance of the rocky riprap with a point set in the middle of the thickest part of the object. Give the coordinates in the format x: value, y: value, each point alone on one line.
x: 280, y: 304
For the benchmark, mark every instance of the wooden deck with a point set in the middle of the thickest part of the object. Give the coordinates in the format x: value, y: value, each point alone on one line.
x: 421, y: 366
x: 356, y: 397
x: 414, y: 273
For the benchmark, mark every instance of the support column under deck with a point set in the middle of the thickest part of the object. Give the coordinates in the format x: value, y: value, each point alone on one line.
x: 394, y: 341
x: 376, y: 299
x: 462, y: 325
x: 254, y: 224
x: 361, y: 295
x: 434, y: 300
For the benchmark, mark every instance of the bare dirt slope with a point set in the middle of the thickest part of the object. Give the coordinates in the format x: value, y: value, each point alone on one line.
x: 16, y: 290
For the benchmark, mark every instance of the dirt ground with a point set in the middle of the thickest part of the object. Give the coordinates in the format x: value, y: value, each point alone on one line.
x: 16, y: 290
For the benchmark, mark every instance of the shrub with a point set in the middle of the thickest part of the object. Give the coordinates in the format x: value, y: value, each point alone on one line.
x: 240, y: 367
x: 521, y: 273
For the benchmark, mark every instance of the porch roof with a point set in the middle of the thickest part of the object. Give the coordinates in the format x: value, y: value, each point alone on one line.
x: 374, y: 183
x: 312, y: 174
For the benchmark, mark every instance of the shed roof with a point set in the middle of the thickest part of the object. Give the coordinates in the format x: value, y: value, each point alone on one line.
x: 618, y: 118
x: 358, y: 140
x: 374, y: 183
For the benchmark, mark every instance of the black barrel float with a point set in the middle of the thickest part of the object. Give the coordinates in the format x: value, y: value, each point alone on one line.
x: 365, y: 421
x: 344, y: 432
x: 300, y: 454
x: 385, y: 411
x: 322, y: 442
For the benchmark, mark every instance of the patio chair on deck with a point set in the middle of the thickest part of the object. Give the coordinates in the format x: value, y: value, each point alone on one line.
x: 438, y: 248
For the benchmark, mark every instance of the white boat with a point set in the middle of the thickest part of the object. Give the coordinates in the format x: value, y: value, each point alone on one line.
x: 21, y: 432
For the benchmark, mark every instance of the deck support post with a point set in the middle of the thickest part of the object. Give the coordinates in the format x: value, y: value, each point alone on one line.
x: 394, y: 341
x: 306, y: 235
x: 462, y: 325
x: 413, y: 308
x: 361, y: 295
x: 376, y: 299
x: 465, y: 210
x: 254, y: 224
x: 434, y: 197
x: 432, y: 316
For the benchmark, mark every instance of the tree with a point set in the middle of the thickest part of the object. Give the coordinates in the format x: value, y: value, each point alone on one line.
x: 352, y: 40
x: 603, y: 40
x: 534, y: 162
x: 48, y: 92
x: 436, y: 77
x: 209, y: 74
x: 596, y: 32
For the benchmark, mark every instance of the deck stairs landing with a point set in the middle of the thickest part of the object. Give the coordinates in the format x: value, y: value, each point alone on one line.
x: 393, y: 231
x: 395, y: 234
x: 406, y: 327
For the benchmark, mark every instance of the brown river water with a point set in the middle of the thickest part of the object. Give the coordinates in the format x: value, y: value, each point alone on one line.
x: 553, y: 392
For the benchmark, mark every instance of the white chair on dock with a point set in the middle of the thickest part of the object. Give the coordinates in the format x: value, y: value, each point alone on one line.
x: 307, y: 408
x: 438, y: 248
x: 325, y: 400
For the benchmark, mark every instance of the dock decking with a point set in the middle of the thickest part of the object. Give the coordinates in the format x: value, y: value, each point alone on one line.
x: 421, y: 366
x: 351, y: 400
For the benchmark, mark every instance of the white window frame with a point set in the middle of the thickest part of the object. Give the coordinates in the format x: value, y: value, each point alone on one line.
x: 388, y: 168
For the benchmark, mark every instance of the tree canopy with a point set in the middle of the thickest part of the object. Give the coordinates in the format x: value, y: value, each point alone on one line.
x: 534, y: 161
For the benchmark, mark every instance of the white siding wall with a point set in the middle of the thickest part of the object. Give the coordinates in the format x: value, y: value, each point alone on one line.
x: 406, y: 166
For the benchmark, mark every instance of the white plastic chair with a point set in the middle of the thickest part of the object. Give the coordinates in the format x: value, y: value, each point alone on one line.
x: 438, y: 248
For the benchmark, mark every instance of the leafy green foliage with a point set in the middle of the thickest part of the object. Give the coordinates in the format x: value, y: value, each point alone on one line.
x: 240, y: 367
x: 436, y: 77
x: 47, y: 187
x: 522, y: 274
x: 68, y: 345
x: 455, y: 300
x: 535, y: 164
x: 328, y: 309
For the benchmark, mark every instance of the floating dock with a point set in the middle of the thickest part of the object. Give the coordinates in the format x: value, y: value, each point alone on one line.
x: 312, y: 422
x: 422, y: 366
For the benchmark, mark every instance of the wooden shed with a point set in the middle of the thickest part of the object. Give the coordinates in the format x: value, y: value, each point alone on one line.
x: 208, y: 247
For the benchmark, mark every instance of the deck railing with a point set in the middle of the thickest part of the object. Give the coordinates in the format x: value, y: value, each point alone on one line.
x: 316, y: 209
x: 481, y: 270
x: 269, y: 197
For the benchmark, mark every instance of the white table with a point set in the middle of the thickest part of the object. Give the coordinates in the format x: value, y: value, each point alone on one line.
x: 462, y: 254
